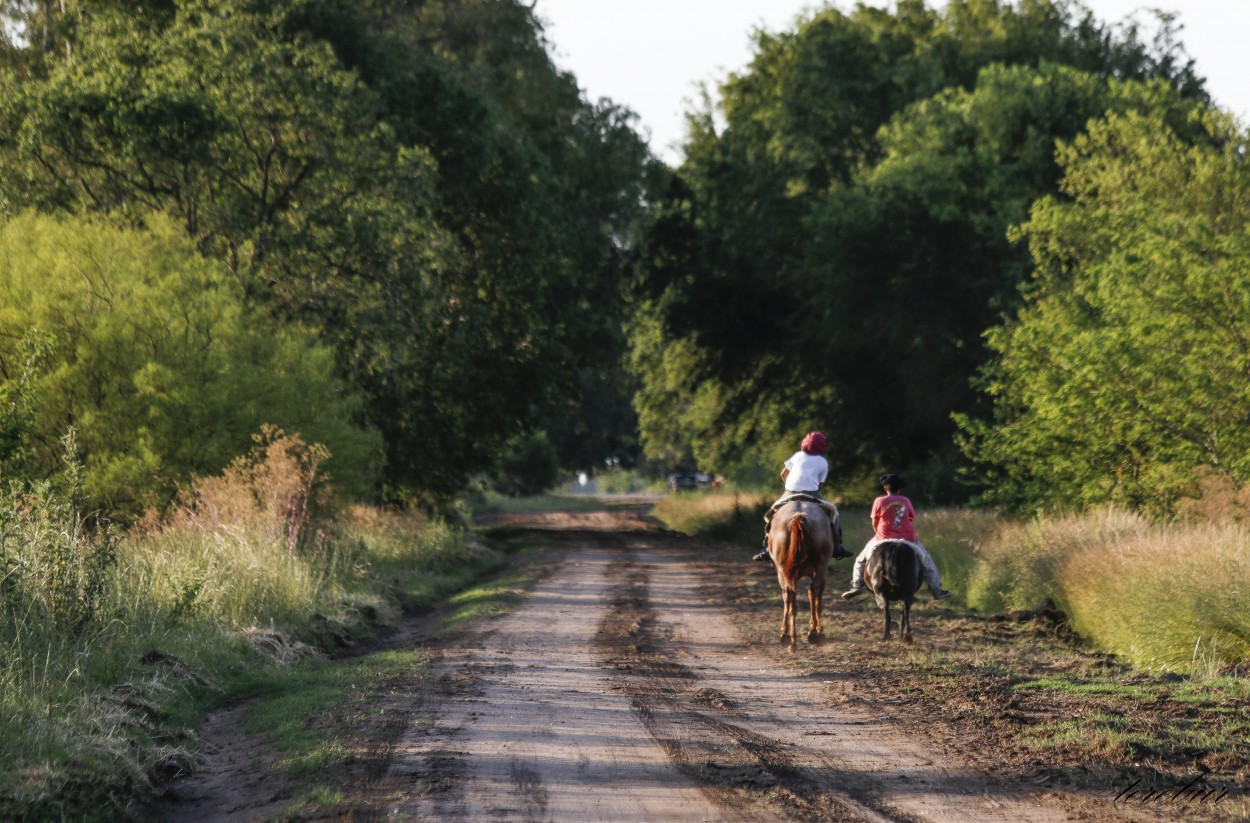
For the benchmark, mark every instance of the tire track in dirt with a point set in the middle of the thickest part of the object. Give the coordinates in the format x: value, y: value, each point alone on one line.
x: 529, y: 727
x: 620, y: 690
x: 827, y: 760
x: 736, y: 767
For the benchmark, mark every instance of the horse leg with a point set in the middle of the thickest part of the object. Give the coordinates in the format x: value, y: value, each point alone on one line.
x: 790, y: 603
x: 793, y: 605
x: 814, y: 595
x: 886, y: 609
x: 904, y: 622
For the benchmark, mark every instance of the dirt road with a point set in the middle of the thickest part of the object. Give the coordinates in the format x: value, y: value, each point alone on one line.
x: 622, y: 690
x: 629, y: 687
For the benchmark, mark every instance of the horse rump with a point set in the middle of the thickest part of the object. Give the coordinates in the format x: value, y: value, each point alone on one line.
x: 893, y: 575
x: 899, y: 571
x: 800, y: 545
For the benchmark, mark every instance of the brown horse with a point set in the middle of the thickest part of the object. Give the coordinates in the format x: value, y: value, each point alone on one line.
x: 892, y: 574
x: 800, y: 541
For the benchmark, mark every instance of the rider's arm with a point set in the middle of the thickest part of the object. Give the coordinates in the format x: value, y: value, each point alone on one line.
x: 785, y: 473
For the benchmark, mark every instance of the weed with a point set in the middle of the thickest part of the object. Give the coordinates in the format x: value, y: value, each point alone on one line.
x: 1168, y: 598
x: 114, y: 646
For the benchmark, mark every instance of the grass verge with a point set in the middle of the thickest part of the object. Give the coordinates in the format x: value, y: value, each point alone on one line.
x: 323, y: 712
x: 116, y: 646
x: 1165, y: 597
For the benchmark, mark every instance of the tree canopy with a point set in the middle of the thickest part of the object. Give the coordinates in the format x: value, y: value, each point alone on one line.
x: 1123, y: 377
x: 407, y: 206
x: 835, y: 242
x: 413, y: 181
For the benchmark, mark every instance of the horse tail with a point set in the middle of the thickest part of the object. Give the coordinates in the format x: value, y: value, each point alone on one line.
x: 889, y: 564
x: 898, y: 566
x: 798, y: 547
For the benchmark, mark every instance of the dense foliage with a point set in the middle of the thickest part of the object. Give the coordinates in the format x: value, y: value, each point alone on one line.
x: 414, y: 182
x: 152, y: 356
x: 835, y: 242
x: 411, y: 194
x: 1124, y: 377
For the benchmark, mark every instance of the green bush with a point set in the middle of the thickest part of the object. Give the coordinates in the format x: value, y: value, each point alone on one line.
x: 54, y: 565
x: 528, y: 465
x: 152, y: 352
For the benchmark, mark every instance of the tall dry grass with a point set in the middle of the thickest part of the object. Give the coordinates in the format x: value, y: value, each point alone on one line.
x: 1166, y: 597
x: 251, y: 544
x: 110, y: 650
x: 1170, y: 597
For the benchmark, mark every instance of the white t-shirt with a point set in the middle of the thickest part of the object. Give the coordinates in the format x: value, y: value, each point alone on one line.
x: 807, y: 472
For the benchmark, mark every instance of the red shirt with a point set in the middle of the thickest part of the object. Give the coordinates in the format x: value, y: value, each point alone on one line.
x: 893, y: 518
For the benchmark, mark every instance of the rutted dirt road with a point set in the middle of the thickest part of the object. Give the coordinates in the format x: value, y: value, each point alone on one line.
x: 629, y: 687
x: 621, y: 691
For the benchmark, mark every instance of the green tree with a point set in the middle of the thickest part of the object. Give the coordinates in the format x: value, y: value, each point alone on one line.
x: 157, y: 363
x: 832, y: 253
x: 910, y: 266
x: 1123, y: 378
x: 528, y: 465
x: 415, y: 181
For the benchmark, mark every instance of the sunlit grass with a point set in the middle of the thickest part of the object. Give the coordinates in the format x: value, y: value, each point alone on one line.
x: 491, y: 503
x: 1068, y: 685
x: 1166, y: 597
x: 1173, y: 598
x: 731, y: 516
x: 190, y: 616
x: 1107, y: 734
x: 317, y: 797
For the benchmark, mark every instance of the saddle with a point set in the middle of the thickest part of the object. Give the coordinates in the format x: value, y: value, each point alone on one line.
x: 790, y: 497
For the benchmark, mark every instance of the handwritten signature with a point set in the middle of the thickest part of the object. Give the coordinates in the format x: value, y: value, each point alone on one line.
x: 1197, y: 790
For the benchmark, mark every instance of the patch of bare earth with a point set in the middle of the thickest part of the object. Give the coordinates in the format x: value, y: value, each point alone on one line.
x: 642, y: 680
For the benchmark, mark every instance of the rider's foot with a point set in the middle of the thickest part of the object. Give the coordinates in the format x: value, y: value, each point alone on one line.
x: 855, y: 592
x: 941, y: 594
x: 839, y: 553
x: 763, y: 556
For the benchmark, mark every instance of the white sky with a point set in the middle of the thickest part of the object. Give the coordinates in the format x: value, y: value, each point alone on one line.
x: 650, y: 55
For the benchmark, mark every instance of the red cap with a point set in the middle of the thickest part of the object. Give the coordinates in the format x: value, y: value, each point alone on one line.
x: 814, y: 443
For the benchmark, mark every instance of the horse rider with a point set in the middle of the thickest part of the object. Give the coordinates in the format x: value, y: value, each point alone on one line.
x: 804, y: 473
x: 894, y: 518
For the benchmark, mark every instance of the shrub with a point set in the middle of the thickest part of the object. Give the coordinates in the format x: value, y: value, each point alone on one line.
x: 528, y: 465
x: 156, y: 356
x: 54, y: 566
x: 276, y: 491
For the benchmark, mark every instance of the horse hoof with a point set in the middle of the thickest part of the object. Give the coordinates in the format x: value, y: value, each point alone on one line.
x: 813, y: 637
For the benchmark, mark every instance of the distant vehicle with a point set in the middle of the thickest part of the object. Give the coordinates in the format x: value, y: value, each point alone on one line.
x: 689, y: 481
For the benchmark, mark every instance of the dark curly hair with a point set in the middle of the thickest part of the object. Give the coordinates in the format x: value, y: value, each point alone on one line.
x: 893, y: 481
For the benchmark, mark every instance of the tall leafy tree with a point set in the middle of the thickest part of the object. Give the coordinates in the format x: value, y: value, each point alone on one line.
x: 835, y: 249
x: 416, y: 181
x: 1123, y: 377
